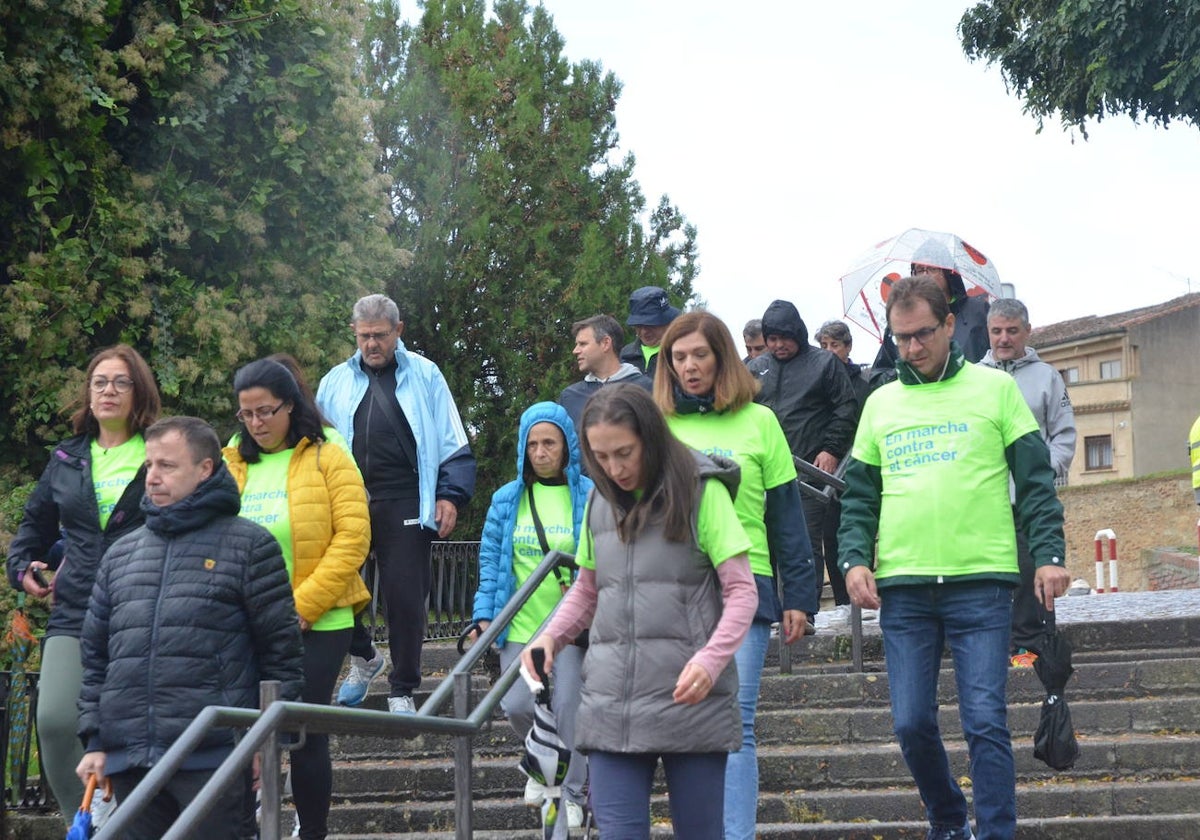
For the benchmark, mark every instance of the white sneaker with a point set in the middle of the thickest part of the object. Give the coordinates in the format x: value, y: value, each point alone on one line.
x: 574, y: 815
x: 101, y: 809
x: 402, y: 706
x: 535, y: 792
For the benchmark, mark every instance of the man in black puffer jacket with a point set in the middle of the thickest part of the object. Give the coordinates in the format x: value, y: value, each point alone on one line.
x: 192, y: 610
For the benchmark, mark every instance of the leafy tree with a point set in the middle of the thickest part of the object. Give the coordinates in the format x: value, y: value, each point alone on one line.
x: 506, y: 192
x: 189, y: 177
x: 1088, y: 59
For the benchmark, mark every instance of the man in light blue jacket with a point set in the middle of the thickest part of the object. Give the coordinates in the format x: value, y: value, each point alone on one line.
x: 398, y: 417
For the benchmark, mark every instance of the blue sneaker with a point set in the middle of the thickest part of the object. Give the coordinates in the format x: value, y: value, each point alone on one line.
x: 362, y: 671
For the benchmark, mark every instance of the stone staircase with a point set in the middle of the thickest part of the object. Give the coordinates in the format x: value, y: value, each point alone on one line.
x: 830, y: 768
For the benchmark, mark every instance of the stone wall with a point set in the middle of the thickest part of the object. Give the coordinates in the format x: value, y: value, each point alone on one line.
x: 1145, y: 514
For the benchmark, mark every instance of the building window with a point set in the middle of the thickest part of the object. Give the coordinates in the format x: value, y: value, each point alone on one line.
x: 1070, y: 375
x: 1110, y: 369
x: 1098, y: 451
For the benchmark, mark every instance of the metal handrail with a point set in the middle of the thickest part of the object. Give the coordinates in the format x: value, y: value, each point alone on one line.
x: 278, y: 716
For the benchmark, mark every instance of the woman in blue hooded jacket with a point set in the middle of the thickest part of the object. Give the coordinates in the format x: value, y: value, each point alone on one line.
x: 541, y: 510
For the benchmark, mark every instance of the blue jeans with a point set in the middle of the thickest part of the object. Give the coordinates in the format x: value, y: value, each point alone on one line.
x: 741, y: 769
x: 620, y: 789
x: 974, y: 618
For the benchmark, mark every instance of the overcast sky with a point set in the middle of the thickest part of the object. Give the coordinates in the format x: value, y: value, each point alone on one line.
x: 796, y: 135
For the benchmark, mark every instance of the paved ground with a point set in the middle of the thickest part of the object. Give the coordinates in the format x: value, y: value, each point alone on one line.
x: 1070, y: 609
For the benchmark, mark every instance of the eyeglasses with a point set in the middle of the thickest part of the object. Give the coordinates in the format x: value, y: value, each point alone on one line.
x: 367, y: 338
x: 920, y: 336
x: 260, y: 413
x: 928, y: 269
x: 123, y: 384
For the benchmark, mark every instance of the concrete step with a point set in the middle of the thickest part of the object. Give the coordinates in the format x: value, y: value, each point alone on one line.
x: 1036, y: 801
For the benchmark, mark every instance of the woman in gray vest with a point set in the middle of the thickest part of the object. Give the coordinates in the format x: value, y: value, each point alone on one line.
x: 665, y: 585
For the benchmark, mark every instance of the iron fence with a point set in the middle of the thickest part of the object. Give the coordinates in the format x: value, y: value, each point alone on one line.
x: 451, y: 597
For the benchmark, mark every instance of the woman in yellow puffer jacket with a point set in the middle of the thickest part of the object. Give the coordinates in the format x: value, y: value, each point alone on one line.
x: 308, y: 493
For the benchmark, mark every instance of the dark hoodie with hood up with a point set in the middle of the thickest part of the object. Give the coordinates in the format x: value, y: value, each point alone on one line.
x: 810, y: 393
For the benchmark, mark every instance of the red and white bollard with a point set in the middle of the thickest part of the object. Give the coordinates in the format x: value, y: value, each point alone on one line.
x: 1101, y: 536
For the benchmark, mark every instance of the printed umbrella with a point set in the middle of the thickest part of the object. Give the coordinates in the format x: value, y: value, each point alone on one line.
x: 19, y: 639
x: 546, y: 756
x: 866, y: 283
x: 1054, y: 742
x: 81, y: 828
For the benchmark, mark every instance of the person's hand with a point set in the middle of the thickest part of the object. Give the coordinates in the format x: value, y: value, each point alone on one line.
x: 305, y: 626
x: 860, y: 583
x: 91, y: 763
x: 692, y: 686
x: 825, y: 461
x: 477, y: 631
x: 546, y: 643
x: 793, y: 625
x: 1048, y: 583
x: 445, y: 516
x: 30, y: 584
x: 256, y: 772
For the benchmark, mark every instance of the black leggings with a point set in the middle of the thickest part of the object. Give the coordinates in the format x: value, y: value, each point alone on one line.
x: 312, y: 770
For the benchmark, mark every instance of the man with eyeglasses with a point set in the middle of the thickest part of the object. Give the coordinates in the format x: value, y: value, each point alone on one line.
x: 932, y: 259
x: 928, y: 538
x: 397, y: 414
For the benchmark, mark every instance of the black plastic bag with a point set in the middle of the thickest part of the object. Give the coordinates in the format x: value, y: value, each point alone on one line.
x: 1055, y: 741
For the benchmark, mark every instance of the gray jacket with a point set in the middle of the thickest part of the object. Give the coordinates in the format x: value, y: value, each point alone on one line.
x: 658, y: 602
x: 1045, y: 392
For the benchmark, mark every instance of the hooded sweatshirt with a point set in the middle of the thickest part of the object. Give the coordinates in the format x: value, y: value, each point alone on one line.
x: 498, y: 575
x: 810, y: 393
x: 1045, y: 392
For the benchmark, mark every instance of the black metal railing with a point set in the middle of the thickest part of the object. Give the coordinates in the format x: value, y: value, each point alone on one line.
x: 452, y: 593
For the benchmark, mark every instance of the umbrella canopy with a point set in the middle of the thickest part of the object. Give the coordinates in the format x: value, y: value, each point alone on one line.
x: 866, y: 283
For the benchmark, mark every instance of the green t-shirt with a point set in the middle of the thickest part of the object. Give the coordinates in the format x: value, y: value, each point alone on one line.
x: 265, y: 501
x: 719, y: 533
x: 940, y: 447
x: 649, y: 353
x: 113, y: 470
x: 753, y: 438
x: 554, y: 510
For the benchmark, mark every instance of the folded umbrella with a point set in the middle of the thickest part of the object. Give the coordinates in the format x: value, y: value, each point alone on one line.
x: 81, y: 826
x: 546, y: 757
x: 1054, y: 742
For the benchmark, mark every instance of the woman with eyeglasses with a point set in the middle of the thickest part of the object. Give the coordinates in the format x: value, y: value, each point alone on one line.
x: 308, y: 493
x: 89, y: 494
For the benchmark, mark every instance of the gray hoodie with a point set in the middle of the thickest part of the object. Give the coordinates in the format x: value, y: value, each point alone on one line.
x: 1044, y: 390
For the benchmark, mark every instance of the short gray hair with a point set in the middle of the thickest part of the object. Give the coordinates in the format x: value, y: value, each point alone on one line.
x: 835, y: 331
x: 1010, y: 309
x: 199, y: 437
x: 376, y: 308
x: 753, y: 328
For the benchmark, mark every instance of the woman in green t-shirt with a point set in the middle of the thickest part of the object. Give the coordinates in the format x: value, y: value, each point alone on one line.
x: 706, y: 394
x: 540, y: 510
x: 89, y: 495
x: 308, y: 493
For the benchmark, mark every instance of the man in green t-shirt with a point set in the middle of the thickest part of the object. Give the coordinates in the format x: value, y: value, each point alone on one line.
x: 928, y: 476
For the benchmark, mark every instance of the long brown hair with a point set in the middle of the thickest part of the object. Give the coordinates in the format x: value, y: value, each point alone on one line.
x: 669, y: 473
x: 146, y: 401
x: 734, y: 387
